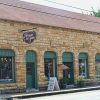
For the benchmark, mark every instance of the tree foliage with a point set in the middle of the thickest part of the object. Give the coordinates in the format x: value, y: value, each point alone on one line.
x: 95, y: 13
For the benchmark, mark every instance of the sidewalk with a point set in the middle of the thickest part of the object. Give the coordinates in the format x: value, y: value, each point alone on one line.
x: 47, y: 93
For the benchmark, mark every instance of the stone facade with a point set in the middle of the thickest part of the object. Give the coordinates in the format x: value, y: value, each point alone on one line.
x: 48, y: 38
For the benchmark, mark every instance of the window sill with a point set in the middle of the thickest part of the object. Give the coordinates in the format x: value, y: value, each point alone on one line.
x: 7, y: 81
x: 97, y: 76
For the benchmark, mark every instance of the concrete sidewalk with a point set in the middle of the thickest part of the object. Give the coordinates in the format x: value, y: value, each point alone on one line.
x: 47, y: 93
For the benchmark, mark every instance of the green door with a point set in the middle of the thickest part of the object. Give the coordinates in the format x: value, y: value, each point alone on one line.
x: 69, y: 73
x: 31, y: 69
x: 68, y: 62
x: 30, y: 75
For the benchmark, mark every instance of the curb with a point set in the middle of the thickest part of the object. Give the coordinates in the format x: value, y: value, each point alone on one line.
x: 40, y: 94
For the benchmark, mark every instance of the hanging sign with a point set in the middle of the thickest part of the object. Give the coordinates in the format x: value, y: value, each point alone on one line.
x: 29, y: 36
x: 53, y: 84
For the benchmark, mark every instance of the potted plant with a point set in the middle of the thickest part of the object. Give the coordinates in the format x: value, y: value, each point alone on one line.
x: 80, y: 81
x: 63, y: 82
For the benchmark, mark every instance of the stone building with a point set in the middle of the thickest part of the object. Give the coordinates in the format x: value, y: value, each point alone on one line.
x: 38, y: 42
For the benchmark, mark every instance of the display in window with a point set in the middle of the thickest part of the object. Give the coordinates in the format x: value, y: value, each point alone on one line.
x: 98, y: 68
x: 5, y: 68
x: 48, y: 67
x: 82, y: 67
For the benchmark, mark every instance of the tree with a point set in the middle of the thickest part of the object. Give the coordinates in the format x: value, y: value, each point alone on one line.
x: 95, y: 13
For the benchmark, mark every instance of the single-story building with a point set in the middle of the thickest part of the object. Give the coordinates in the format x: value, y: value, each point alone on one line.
x: 38, y: 42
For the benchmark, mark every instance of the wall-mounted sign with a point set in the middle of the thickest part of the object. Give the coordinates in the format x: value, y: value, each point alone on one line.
x: 29, y: 36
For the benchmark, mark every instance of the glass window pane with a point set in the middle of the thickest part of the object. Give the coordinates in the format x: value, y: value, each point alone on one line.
x: 83, y: 70
x: 97, y: 68
x: 48, y: 67
x: 6, y: 68
x: 82, y: 67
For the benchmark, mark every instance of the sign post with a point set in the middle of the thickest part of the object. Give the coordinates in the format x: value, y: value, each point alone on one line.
x: 53, y: 84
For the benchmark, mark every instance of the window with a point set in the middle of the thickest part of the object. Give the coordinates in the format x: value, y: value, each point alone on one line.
x: 6, y: 66
x: 98, y: 65
x: 50, y: 68
x: 83, y: 68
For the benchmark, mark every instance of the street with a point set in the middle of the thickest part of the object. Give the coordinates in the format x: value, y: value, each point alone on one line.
x: 88, y: 95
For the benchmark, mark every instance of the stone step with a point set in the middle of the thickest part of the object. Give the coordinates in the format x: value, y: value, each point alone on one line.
x: 70, y: 86
x: 32, y: 90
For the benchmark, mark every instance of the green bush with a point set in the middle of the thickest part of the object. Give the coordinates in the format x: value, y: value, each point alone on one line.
x: 80, y: 81
x: 63, y: 80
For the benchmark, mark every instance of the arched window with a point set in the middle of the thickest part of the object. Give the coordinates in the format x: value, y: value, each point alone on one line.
x: 7, y: 62
x: 83, y: 64
x: 97, y: 61
x: 68, y: 70
x: 50, y: 66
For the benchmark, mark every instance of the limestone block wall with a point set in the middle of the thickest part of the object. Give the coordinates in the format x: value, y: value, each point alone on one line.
x: 48, y: 38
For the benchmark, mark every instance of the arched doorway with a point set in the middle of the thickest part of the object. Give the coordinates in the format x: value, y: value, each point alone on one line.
x: 50, y: 64
x: 68, y: 70
x: 31, y: 69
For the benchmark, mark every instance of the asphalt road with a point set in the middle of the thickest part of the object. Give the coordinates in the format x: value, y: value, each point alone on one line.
x: 88, y: 95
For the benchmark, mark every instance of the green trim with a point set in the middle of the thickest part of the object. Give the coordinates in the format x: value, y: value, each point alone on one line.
x: 14, y: 81
x: 83, y: 56
x: 97, y: 59
x: 97, y: 56
x: 31, y: 58
x: 97, y: 75
x: 8, y: 53
x: 67, y: 57
x: 52, y: 55
x: 36, y: 77
x: 49, y: 54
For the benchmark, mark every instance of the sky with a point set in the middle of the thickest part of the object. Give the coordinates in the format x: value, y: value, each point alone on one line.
x: 83, y: 4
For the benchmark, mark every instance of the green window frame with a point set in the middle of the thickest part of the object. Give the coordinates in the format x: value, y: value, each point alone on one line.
x: 83, y: 65
x: 31, y: 69
x: 97, y: 65
x: 7, y: 66
x: 50, y: 64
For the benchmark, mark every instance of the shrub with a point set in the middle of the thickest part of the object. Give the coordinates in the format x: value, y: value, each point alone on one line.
x: 63, y: 82
x: 80, y: 81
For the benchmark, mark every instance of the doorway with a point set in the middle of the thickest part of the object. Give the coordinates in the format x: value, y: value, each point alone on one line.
x: 30, y: 69
x: 68, y: 70
x: 68, y: 73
